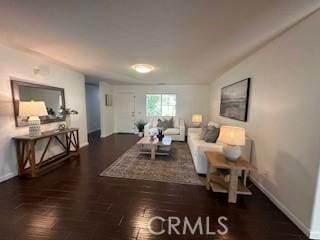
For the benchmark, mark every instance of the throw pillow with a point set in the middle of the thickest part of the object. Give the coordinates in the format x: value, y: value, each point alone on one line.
x: 165, y: 124
x: 204, y: 130
x: 212, y: 135
x: 170, y: 123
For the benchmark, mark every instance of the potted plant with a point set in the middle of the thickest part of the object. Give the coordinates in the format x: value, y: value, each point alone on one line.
x: 67, y: 112
x: 140, y: 126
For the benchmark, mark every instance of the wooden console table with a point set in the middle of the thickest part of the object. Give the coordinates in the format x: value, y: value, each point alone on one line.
x: 232, y: 187
x: 26, y: 152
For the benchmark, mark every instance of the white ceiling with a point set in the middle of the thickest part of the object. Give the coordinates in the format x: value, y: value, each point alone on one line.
x: 188, y: 41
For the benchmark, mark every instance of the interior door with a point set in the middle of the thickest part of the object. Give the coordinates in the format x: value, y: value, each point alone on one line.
x: 125, y: 112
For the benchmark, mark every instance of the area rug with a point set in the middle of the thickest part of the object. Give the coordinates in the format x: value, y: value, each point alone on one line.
x: 175, y: 168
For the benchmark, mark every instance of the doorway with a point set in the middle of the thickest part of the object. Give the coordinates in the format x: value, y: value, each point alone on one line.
x: 93, y: 110
x: 125, y: 112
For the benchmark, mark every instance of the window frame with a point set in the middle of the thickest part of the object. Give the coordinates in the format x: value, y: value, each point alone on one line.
x: 146, y: 111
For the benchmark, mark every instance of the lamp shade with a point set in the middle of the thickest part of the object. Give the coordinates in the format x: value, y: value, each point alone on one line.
x: 32, y: 109
x: 234, y: 136
x: 196, y: 118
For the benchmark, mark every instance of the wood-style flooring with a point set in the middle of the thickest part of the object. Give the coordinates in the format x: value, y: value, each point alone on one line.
x: 74, y: 202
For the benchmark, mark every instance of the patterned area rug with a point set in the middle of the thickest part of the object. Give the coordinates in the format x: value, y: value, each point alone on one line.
x: 176, y: 168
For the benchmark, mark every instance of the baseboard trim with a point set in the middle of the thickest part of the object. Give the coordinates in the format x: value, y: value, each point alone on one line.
x: 8, y: 176
x: 282, y: 207
x: 106, y: 135
x: 314, y: 235
x: 84, y: 144
x: 95, y: 130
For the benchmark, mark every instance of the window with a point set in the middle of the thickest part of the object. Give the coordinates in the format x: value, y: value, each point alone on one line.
x: 160, y: 105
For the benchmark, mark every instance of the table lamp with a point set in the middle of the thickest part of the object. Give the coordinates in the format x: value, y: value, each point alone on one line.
x: 33, y: 110
x: 197, y: 119
x: 233, y: 138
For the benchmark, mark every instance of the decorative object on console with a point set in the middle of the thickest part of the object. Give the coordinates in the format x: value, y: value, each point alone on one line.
x: 62, y: 127
x: 235, y: 99
x: 197, y: 120
x: 66, y: 112
x: 233, y: 138
x: 33, y: 110
x: 140, y: 126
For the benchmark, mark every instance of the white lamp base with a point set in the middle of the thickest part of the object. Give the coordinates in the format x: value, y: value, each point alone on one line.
x: 231, y: 153
x: 34, y: 126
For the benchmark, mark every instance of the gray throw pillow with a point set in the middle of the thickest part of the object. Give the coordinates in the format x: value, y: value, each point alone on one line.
x: 204, y: 130
x: 165, y: 124
x: 170, y: 123
x: 212, y: 135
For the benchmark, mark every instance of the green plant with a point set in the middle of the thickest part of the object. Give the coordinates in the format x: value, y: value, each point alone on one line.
x: 67, y: 111
x: 140, y: 125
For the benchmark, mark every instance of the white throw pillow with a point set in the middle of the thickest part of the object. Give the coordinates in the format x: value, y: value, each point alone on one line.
x: 213, y: 124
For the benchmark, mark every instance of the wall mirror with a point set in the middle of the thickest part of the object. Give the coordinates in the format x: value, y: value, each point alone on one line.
x: 52, y: 96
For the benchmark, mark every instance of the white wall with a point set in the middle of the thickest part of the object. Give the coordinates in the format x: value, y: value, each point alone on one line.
x: 190, y: 99
x: 316, y: 212
x: 106, y: 112
x: 93, y: 109
x: 283, y: 117
x: 20, y: 65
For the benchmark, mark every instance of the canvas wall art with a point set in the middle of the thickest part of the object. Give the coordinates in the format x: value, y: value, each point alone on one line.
x: 234, y: 100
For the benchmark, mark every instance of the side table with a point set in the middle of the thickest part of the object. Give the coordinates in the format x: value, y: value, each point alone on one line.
x: 233, y: 187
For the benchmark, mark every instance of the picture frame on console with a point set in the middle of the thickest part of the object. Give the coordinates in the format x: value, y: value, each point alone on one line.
x: 235, y: 100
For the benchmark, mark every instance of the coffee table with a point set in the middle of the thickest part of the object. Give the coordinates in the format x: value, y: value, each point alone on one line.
x: 148, y: 146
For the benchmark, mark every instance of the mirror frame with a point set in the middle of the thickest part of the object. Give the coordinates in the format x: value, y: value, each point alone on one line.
x: 15, y: 84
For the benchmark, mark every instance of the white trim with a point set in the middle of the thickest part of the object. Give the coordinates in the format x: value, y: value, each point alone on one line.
x: 106, y: 135
x: 282, y: 207
x: 314, y: 235
x: 94, y: 130
x: 84, y: 144
x: 8, y: 176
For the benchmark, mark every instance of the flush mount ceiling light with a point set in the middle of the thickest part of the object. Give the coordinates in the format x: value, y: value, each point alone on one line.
x: 143, y: 68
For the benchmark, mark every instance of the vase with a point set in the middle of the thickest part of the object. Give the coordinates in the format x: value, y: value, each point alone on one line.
x: 140, y: 134
x: 68, y: 121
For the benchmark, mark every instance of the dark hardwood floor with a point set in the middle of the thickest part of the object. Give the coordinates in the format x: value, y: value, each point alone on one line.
x: 74, y: 202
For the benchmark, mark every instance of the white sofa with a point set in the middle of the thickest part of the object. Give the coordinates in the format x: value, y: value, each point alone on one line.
x: 177, y: 133
x: 198, y: 148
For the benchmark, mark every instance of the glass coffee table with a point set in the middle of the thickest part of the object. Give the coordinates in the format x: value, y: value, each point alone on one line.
x: 148, y: 146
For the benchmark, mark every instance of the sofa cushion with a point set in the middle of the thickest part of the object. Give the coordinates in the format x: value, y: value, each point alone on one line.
x: 203, y: 147
x: 193, y: 136
x: 172, y: 131
x: 211, y: 135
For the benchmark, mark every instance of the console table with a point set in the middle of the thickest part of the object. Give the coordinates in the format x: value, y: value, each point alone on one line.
x: 68, y: 139
x: 233, y: 187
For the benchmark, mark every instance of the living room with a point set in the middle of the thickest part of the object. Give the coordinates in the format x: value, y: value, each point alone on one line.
x: 164, y: 74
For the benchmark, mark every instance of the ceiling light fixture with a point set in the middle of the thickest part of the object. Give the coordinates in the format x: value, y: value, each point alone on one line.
x: 143, y: 68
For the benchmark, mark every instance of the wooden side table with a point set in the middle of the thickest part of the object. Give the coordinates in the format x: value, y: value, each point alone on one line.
x: 218, y: 184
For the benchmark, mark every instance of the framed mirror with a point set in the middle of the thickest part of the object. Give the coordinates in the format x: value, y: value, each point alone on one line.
x: 52, y: 96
